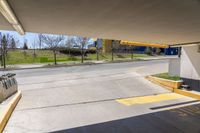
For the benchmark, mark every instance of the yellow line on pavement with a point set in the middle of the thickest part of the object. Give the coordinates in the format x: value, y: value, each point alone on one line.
x: 149, y: 99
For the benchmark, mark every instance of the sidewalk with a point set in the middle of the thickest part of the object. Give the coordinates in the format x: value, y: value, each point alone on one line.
x: 159, y: 57
x: 93, y: 62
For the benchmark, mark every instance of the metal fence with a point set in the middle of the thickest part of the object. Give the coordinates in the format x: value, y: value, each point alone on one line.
x: 69, y: 55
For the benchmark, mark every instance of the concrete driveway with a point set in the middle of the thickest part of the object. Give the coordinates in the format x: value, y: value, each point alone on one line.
x: 85, y: 99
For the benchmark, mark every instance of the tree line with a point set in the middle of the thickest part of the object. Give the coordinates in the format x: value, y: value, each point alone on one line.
x: 42, y: 41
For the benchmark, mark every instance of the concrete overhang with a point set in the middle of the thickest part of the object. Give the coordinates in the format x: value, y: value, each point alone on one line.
x: 4, y: 25
x: 185, y: 44
x: 157, y: 21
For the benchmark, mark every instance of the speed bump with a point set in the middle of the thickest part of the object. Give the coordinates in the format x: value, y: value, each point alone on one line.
x: 149, y: 99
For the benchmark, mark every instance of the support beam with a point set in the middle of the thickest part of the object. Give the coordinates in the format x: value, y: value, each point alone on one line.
x: 144, y: 44
x: 10, y: 16
x: 184, y: 44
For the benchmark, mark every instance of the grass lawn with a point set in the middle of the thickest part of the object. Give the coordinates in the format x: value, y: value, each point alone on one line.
x: 42, y: 56
x: 167, y: 76
x: 46, y: 56
x: 108, y: 56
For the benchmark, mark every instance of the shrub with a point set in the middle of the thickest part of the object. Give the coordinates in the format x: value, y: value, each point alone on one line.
x: 148, y: 51
x: 77, y: 52
x: 73, y: 52
x: 158, y: 51
x: 91, y: 51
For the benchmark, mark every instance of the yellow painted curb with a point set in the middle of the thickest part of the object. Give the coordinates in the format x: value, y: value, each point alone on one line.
x: 169, y: 84
x: 173, y: 86
x: 188, y: 93
x: 8, y: 110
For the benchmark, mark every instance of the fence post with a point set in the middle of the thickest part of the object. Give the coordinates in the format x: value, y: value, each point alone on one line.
x: 55, y: 59
x: 112, y: 47
x: 4, y: 43
x: 82, y: 56
x: 97, y: 50
x: 4, y: 60
x: 132, y: 51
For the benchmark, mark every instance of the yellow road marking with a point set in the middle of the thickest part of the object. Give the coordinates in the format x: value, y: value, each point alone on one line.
x: 149, y: 99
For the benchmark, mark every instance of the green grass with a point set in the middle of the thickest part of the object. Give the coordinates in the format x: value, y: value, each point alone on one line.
x: 167, y: 76
x: 46, y: 56
x: 108, y: 56
x: 42, y: 56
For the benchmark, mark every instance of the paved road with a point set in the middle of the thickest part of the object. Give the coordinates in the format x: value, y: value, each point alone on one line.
x: 84, y: 99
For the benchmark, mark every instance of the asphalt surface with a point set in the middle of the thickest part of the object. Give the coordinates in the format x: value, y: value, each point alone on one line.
x: 83, y: 99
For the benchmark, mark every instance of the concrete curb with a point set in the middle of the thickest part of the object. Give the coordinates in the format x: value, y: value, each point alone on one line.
x: 187, y: 93
x: 69, y: 65
x: 175, y: 90
x: 79, y: 64
x: 8, y: 110
x: 169, y: 84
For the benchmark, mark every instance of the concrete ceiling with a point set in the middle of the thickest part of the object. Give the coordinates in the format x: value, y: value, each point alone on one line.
x: 148, y: 21
x: 4, y: 25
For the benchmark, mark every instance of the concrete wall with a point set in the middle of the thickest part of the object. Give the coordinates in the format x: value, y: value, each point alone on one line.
x: 174, y: 67
x: 190, y: 62
x: 7, y: 88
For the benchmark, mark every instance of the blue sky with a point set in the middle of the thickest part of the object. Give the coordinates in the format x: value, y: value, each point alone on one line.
x: 30, y: 37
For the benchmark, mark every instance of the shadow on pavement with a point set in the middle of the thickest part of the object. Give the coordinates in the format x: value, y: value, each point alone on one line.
x: 179, y: 120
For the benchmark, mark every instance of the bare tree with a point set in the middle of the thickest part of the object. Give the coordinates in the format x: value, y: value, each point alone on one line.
x: 13, y: 44
x: 53, y: 42
x: 4, y: 44
x: 34, y: 44
x: 70, y: 42
x: 82, y: 41
x: 9, y: 39
x: 25, y: 46
x: 40, y: 40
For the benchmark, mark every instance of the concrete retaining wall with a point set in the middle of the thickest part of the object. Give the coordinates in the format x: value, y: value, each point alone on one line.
x: 170, y: 84
x: 7, y: 88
